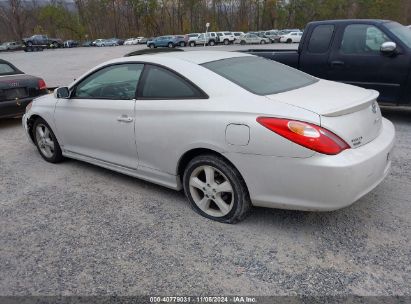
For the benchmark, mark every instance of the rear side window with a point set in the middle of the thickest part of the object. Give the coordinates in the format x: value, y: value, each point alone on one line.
x: 321, y: 38
x: 6, y: 69
x: 160, y: 83
x: 260, y: 76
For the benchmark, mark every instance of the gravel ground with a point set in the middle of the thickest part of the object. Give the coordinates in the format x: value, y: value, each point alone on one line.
x: 77, y: 229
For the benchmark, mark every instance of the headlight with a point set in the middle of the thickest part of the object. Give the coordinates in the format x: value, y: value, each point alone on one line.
x: 29, y: 106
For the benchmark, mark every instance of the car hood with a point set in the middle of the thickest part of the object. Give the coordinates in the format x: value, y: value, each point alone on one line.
x: 328, y: 98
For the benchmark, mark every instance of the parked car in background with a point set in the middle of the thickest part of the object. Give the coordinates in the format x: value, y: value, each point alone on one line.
x: 252, y: 39
x: 232, y: 130
x: 87, y: 43
x: 17, y: 90
x: 192, y: 37
x: 272, y: 35
x: 287, y: 31
x: 116, y: 41
x: 131, y: 41
x: 11, y: 46
x: 209, y: 38
x: 143, y: 40
x: 43, y: 40
x: 276, y: 37
x: 181, y: 40
x: 99, y: 42
x: 225, y: 37
x: 374, y: 54
x: 237, y: 35
x: 163, y: 41
x: 292, y: 37
x: 70, y: 43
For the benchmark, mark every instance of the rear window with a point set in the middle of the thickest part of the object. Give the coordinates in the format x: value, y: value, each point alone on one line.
x: 260, y: 76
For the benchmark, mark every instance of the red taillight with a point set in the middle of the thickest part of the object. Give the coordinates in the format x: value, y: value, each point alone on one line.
x: 42, y: 84
x: 305, y: 134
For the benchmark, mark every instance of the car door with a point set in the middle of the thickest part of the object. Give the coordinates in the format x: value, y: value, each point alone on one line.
x: 97, y: 120
x: 165, y: 102
x: 255, y: 38
x: 315, y: 51
x: 357, y: 60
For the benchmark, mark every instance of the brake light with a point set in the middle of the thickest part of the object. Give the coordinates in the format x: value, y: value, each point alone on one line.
x: 305, y: 134
x: 42, y: 84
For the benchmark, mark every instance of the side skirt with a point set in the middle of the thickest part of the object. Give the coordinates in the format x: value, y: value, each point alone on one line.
x: 144, y: 173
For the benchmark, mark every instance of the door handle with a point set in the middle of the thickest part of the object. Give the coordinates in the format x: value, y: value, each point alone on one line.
x: 125, y: 118
x: 337, y: 63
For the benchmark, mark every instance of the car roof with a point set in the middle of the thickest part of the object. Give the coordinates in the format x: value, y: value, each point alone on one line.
x: 345, y: 21
x: 196, y: 57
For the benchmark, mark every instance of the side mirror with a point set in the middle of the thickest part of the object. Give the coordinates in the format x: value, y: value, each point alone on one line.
x: 62, y: 92
x: 388, y: 47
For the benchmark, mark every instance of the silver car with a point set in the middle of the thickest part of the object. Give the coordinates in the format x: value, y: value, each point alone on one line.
x: 231, y: 129
x: 252, y: 39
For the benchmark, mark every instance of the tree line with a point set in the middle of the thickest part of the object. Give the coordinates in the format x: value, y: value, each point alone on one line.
x: 91, y: 19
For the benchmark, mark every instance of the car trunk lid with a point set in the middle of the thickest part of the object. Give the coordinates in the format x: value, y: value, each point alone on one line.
x: 18, y: 86
x: 348, y: 111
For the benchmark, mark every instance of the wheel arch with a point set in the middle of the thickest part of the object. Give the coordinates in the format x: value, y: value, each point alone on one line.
x: 30, y: 125
x: 192, y: 153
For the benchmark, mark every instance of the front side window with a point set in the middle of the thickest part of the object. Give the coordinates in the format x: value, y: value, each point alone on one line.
x: 260, y: 76
x: 160, y: 83
x: 321, y: 38
x: 362, y: 39
x: 112, y: 82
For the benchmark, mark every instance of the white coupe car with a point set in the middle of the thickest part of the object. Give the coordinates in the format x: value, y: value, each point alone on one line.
x: 293, y: 37
x: 233, y: 130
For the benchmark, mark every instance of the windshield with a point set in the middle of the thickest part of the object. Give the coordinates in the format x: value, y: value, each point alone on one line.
x: 260, y: 76
x: 401, y: 32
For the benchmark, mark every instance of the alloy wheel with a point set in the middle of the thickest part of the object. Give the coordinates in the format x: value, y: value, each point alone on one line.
x: 45, y: 141
x: 211, y: 191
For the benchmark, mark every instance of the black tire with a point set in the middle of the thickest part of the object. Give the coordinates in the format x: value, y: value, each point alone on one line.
x: 57, y: 154
x: 29, y: 43
x: 170, y: 45
x: 182, y: 44
x: 262, y: 42
x: 211, y: 43
x: 192, y: 44
x: 151, y: 46
x: 241, y: 202
x: 289, y: 40
x: 226, y: 42
x: 242, y: 42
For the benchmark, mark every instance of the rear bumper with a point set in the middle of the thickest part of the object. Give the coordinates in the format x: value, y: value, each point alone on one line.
x: 320, y: 182
x: 14, y: 108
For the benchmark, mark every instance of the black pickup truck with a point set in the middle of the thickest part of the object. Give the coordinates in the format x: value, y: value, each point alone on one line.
x: 40, y: 42
x: 374, y: 54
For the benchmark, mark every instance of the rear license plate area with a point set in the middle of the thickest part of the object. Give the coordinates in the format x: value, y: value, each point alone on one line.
x: 15, y: 93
